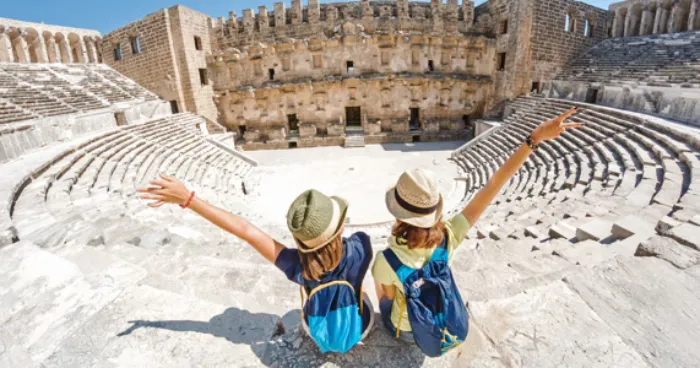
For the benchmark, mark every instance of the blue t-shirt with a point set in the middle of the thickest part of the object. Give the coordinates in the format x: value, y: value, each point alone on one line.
x: 357, y: 256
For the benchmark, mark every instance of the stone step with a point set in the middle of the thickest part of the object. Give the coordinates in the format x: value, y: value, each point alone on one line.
x: 635, y: 296
x: 354, y: 141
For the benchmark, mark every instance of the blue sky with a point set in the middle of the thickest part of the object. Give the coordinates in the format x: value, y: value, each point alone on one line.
x: 108, y: 15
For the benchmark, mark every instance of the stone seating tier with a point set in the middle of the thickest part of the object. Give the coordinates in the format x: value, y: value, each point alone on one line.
x: 665, y: 59
x: 572, y: 234
x: 40, y: 90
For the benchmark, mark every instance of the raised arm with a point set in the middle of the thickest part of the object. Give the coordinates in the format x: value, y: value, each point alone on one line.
x: 171, y: 190
x: 551, y: 129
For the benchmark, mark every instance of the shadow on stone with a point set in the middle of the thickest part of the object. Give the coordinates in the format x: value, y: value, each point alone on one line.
x: 235, y: 325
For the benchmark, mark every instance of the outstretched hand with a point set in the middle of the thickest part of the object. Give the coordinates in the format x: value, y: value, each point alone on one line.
x: 552, y: 129
x: 165, y: 190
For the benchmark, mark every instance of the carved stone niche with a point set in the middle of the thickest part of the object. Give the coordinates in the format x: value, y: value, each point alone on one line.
x: 307, y: 130
x: 336, y: 129
x: 399, y: 126
x: 276, y: 133
x: 431, y: 126
x: 251, y: 135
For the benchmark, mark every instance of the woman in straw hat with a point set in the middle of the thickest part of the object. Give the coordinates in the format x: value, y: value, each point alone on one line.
x: 322, y: 256
x: 419, y: 229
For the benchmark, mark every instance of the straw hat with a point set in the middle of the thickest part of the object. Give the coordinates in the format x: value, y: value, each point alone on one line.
x: 416, y: 199
x: 315, y: 219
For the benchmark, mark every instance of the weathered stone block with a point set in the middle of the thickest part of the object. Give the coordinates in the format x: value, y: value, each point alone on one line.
x: 594, y: 230
x: 276, y: 134
x: 373, y: 128
x: 399, y: 126
x: 336, y: 130
x: 431, y: 126
x: 457, y: 125
x: 252, y: 135
x: 307, y: 130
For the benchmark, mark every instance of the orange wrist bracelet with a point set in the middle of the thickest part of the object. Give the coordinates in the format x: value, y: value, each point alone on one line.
x: 189, y: 201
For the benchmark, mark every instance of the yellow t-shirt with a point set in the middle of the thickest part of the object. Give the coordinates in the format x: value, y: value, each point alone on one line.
x: 456, y: 228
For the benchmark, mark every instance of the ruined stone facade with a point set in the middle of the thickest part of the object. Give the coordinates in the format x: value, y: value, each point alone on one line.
x: 645, y: 17
x: 166, y: 53
x: 27, y: 42
x: 389, y: 71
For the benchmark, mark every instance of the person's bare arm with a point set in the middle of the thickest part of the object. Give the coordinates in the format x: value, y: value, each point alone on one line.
x: 171, y: 190
x: 551, y: 129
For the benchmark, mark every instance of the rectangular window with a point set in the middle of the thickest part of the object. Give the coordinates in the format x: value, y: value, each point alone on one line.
x: 203, y: 77
x: 350, y: 66
x: 197, y: 43
x: 135, y: 45
x: 431, y: 66
x: 117, y: 52
x: 271, y: 74
x: 173, y: 107
x: 502, y: 61
x: 386, y: 57
x: 504, y: 26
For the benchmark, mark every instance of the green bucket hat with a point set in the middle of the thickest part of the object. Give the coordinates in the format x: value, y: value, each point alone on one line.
x: 315, y: 219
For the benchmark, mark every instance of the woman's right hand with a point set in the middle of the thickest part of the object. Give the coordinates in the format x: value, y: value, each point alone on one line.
x: 552, y: 129
x: 165, y: 190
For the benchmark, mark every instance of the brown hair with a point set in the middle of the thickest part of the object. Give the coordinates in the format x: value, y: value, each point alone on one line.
x: 418, y: 237
x: 319, y: 263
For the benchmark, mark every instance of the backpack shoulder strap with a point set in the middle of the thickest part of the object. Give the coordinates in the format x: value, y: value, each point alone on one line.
x: 321, y: 287
x: 441, y: 253
x: 401, y: 270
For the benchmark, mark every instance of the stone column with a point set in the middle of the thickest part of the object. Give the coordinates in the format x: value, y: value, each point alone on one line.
x: 646, y: 19
x: 436, y: 11
x: 248, y: 21
x: 6, y: 53
x: 54, y: 53
x: 20, y: 46
x: 280, y: 15
x: 657, y: 20
x: 297, y: 12
x: 468, y: 10
x: 82, y: 51
x: 314, y: 12
x: 672, y: 23
x: 366, y: 9
x: 691, y: 16
x: 40, y: 49
x: 628, y: 23
x: 616, y: 21
x: 66, y: 54
x: 91, y: 52
x: 263, y: 20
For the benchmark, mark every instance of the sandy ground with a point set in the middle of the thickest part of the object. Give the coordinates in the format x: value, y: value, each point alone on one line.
x: 360, y: 175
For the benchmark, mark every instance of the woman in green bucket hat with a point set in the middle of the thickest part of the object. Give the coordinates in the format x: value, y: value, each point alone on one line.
x: 328, y: 267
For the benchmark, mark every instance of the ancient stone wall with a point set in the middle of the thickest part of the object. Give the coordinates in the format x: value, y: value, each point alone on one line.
x: 386, y: 100
x: 159, y: 52
x: 154, y: 67
x: 562, y: 30
x: 315, y: 19
x: 190, y: 37
x: 318, y: 60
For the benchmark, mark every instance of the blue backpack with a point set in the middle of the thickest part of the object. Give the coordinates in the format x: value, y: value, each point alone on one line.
x: 334, y: 316
x: 438, y: 316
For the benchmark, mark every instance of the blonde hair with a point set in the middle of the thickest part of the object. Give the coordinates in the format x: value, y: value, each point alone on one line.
x: 316, y: 265
x: 418, y: 237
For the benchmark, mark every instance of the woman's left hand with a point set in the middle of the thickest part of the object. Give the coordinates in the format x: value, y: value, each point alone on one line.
x: 165, y: 190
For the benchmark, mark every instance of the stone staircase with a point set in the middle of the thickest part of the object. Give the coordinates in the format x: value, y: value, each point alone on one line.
x: 587, y: 258
x: 354, y: 140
